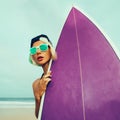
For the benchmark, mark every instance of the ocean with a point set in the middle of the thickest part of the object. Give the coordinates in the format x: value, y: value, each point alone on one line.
x: 17, y: 103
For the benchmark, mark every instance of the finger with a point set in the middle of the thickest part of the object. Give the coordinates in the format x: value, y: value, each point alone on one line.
x: 47, y: 80
x: 48, y: 73
x: 47, y: 76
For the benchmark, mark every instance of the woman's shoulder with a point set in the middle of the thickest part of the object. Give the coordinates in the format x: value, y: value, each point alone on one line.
x: 35, y: 82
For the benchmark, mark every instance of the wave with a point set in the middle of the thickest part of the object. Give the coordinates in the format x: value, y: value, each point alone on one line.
x: 17, y: 99
x: 17, y: 103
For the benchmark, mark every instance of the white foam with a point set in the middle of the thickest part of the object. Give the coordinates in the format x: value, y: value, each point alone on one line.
x: 12, y: 104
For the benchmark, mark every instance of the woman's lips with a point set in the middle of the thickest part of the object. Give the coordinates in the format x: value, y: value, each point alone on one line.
x: 40, y: 58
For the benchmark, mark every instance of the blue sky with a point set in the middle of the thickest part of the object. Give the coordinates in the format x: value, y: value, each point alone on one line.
x: 21, y: 20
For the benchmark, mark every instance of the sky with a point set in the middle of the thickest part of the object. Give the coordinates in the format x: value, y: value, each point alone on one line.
x: 21, y: 20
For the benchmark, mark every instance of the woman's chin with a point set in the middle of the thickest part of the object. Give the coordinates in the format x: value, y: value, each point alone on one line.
x: 40, y: 63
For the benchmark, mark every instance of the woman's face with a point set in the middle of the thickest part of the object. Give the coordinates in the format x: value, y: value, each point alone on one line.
x: 41, y: 57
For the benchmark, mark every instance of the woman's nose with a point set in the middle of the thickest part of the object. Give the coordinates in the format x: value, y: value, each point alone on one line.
x: 38, y: 50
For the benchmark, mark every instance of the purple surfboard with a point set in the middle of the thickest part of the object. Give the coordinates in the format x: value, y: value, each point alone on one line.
x: 86, y: 77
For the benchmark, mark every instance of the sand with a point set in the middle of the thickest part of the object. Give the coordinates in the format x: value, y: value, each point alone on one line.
x: 17, y: 114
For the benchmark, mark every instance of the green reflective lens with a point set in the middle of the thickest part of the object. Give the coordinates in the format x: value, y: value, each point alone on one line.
x: 42, y: 47
x: 33, y: 50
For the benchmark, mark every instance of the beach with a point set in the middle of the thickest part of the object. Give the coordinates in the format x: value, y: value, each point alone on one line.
x: 17, y: 109
x: 17, y: 114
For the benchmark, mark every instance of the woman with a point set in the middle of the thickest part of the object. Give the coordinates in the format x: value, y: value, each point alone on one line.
x: 41, y: 52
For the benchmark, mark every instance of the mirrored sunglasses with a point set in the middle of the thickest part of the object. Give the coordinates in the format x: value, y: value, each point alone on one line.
x: 42, y: 48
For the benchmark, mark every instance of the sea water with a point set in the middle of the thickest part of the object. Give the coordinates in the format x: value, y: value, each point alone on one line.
x: 17, y: 102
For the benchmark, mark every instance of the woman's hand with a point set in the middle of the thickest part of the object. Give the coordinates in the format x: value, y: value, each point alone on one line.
x: 40, y: 85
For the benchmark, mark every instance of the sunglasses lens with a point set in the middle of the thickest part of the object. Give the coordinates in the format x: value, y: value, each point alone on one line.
x: 43, y: 47
x: 33, y: 51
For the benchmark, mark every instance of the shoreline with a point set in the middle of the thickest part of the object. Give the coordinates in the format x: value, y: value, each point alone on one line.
x: 17, y: 109
x: 16, y: 104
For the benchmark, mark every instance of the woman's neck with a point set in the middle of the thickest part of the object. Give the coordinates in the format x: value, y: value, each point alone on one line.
x: 45, y: 67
